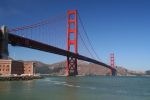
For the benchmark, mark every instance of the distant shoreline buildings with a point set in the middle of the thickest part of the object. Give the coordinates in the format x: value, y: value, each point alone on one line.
x: 13, y: 67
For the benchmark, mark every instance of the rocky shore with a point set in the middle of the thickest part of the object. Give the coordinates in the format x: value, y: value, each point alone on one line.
x: 18, y: 78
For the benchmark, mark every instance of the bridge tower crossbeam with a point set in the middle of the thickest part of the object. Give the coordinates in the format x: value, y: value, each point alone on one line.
x: 112, y: 64
x: 72, y: 42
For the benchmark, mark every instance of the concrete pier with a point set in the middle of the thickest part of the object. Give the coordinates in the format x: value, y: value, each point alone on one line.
x: 4, y: 43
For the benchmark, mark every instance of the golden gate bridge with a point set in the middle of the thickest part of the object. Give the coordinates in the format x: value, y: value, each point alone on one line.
x: 50, y: 36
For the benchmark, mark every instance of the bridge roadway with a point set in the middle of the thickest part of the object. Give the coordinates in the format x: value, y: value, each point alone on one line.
x: 16, y: 40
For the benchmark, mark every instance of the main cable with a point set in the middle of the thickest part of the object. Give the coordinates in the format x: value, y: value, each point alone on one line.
x: 87, y: 37
x: 38, y: 24
x: 85, y: 45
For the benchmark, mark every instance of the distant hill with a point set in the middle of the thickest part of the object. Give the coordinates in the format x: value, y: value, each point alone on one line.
x: 126, y: 72
x: 84, y: 68
x: 147, y: 72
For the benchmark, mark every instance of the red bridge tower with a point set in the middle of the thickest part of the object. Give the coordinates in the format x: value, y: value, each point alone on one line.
x: 72, y: 42
x: 112, y: 63
x: 112, y: 60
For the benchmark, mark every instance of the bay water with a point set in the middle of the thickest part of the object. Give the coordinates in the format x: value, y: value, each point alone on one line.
x: 77, y: 88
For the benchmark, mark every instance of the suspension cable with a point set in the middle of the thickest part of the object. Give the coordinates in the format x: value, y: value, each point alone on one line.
x: 87, y: 36
x: 85, y: 45
x: 38, y: 24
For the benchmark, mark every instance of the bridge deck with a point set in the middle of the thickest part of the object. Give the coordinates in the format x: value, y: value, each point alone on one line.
x: 25, y: 42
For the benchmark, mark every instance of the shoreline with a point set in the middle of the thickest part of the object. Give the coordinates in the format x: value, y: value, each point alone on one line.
x: 26, y: 78
x: 19, y: 78
x: 95, y: 75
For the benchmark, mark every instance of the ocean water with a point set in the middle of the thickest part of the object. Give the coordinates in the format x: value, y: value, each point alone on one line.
x: 77, y: 88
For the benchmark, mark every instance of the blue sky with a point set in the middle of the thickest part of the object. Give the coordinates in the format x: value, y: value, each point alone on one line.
x: 119, y: 26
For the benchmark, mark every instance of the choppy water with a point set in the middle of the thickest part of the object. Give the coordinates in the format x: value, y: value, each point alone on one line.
x: 77, y: 88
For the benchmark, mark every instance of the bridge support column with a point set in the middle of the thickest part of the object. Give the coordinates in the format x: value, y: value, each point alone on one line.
x: 72, y: 38
x: 112, y: 63
x: 4, y: 43
x: 113, y: 72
